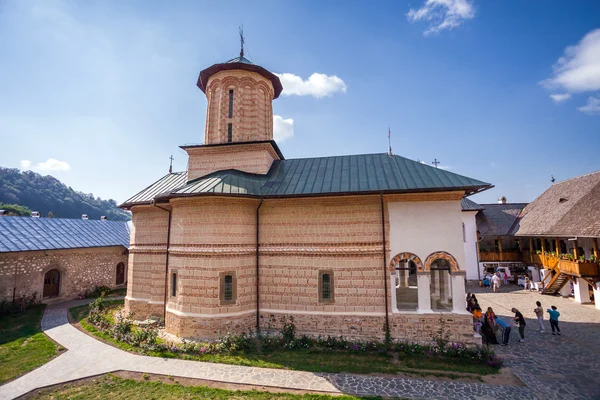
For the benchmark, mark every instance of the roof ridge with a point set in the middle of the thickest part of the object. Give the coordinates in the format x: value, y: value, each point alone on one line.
x: 577, y: 177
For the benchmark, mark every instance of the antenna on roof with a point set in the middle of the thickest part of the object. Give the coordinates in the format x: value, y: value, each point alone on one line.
x: 552, y: 178
x: 389, y: 141
x: 171, y: 166
x: 435, y: 162
x: 242, y: 40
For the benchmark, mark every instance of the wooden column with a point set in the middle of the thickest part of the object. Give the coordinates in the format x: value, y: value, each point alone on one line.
x: 543, y: 246
x: 531, y: 250
x: 557, y: 241
x: 500, y: 248
x: 575, y: 250
x: 595, y: 244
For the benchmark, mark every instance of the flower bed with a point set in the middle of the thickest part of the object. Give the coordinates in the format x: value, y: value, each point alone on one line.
x: 285, y: 349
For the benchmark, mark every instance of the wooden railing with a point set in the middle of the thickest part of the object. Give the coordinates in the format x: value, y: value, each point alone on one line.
x: 578, y: 268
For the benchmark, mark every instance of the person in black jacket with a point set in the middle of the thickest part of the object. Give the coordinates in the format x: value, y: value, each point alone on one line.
x: 521, y: 321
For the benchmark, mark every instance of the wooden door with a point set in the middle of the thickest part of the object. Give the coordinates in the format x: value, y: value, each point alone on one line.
x: 120, y: 274
x: 51, y: 283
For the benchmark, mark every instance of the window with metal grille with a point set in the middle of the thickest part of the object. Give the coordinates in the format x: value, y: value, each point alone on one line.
x: 231, y: 103
x: 326, y: 286
x: 174, y: 285
x: 229, y: 132
x: 228, y: 288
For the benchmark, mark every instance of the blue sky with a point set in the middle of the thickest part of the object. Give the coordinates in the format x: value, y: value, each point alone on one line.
x: 100, y: 93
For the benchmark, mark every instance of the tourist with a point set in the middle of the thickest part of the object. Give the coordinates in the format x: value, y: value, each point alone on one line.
x: 486, y: 282
x: 469, y: 302
x: 487, y: 331
x: 505, y: 329
x: 554, y: 314
x: 527, y: 283
x: 495, y: 282
x: 521, y: 321
x: 539, y: 313
x: 477, y: 318
x: 505, y: 278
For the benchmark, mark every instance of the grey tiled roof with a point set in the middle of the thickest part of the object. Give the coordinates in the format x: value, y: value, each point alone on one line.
x: 567, y: 208
x: 26, y: 233
x: 470, y: 205
x: 498, y: 219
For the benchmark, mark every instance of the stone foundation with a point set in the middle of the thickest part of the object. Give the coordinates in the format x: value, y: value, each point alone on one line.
x: 143, y: 309
x: 209, y: 328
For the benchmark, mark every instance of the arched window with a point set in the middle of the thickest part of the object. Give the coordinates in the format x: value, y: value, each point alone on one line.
x: 441, y: 285
x: 326, y: 287
x: 407, y: 295
x: 464, y: 233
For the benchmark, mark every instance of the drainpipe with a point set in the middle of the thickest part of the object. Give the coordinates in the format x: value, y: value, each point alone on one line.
x: 257, y: 268
x: 166, y: 262
x: 387, y: 320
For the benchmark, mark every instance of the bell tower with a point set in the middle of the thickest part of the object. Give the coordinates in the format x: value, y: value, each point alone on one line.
x: 239, y: 119
x: 240, y: 96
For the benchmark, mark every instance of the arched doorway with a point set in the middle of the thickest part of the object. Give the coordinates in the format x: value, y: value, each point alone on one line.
x: 51, y: 283
x: 120, y: 273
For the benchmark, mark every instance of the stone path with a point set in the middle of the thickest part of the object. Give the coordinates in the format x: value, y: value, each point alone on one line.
x: 87, y: 356
x: 553, y: 367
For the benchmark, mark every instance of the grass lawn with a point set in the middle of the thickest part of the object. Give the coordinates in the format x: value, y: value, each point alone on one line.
x: 112, y: 387
x: 305, y: 360
x: 23, y: 346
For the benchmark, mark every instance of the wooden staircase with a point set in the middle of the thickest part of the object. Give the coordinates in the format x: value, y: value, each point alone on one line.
x: 556, y: 283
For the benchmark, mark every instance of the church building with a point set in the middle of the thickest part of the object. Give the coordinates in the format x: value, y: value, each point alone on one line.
x: 346, y: 245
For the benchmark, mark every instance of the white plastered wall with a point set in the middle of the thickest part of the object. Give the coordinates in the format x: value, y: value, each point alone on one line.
x: 470, y: 244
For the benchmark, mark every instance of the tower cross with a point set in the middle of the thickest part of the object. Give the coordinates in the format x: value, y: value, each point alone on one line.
x: 436, y: 162
x: 389, y: 142
x: 171, y: 166
x: 242, y: 41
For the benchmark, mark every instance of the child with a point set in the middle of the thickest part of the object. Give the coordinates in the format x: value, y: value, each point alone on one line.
x: 505, y: 330
x: 477, y: 316
x: 539, y: 313
x: 554, y: 314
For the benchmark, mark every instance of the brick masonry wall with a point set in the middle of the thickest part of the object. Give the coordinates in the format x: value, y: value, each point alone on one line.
x: 147, y: 258
x: 80, y: 270
x: 255, y: 158
x: 298, y: 237
x: 252, y: 118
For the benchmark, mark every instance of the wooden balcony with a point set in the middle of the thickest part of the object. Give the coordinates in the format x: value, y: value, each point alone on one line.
x: 579, y: 268
x: 500, y: 256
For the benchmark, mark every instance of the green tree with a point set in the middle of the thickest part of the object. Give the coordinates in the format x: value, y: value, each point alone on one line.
x: 15, y: 209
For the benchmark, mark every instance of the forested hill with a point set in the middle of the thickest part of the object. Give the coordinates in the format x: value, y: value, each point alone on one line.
x: 47, y: 194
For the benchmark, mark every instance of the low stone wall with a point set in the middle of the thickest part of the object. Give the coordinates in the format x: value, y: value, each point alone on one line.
x: 80, y: 270
x: 142, y: 309
x: 209, y: 328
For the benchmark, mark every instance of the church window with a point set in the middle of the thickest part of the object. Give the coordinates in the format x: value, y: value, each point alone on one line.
x: 326, y: 292
x: 231, y: 103
x: 440, y: 288
x: 464, y: 233
x: 174, y: 285
x: 407, y: 294
x: 229, y: 133
x: 228, y: 289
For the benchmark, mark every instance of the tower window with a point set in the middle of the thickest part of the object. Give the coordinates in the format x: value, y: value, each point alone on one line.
x: 326, y: 294
x: 173, y: 285
x: 229, y: 132
x: 231, y: 103
x: 228, y: 289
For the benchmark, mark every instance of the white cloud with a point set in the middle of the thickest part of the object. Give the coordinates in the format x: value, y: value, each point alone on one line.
x: 560, y: 97
x: 317, y: 85
x: 442, y: 14
x: 592, y: 107
x: 283, y: 129
x: 52, y: 165
x: 579, y: 69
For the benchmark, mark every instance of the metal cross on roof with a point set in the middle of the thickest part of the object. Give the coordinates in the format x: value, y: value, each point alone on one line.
x: 435, y: 162
x: 242, y: 41
x: 171, y: 166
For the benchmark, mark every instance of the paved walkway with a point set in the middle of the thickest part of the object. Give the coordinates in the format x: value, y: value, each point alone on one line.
x: 553, y: 367
x: 88, y: 357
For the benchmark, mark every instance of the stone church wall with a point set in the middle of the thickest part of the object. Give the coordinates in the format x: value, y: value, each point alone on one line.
x: 80, y: 270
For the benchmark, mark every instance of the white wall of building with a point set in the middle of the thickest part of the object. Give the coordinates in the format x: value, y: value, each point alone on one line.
x: 470, y: 244
x: 423, y: 228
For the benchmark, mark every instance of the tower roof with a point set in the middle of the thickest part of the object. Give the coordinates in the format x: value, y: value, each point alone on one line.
x: 239, y: 62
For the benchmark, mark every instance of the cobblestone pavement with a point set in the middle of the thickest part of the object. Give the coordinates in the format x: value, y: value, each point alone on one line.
x: 553, y: 367
x: 87, y: 356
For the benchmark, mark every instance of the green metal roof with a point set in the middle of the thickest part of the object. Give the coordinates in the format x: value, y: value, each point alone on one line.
x: 355, y: 174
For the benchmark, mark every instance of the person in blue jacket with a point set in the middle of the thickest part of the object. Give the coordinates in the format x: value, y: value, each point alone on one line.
x: 554, y: 314
x: 506, y: 328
